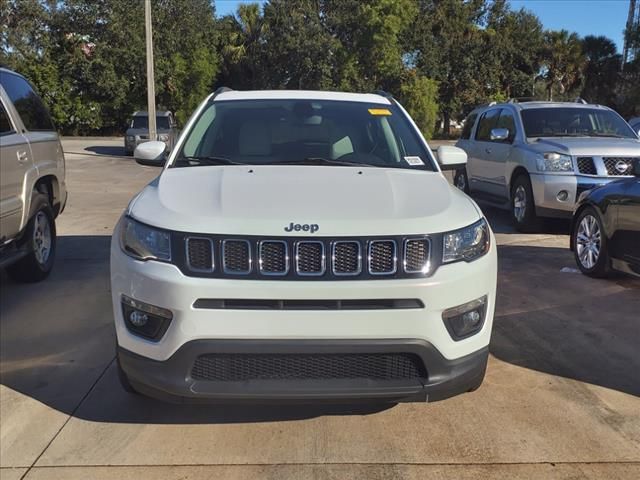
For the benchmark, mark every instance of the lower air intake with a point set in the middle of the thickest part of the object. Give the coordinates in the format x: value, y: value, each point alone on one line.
x: 311, y: 366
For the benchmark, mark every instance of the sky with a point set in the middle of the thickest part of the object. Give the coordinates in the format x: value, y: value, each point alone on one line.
x: 587, y: 17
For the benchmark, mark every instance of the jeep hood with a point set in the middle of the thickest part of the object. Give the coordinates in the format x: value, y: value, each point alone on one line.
x: 588, y: 146
x: 342, y: 201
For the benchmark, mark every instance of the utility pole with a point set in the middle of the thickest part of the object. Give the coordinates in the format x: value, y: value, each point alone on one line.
x: 632, y: 21
x: 151, y: 88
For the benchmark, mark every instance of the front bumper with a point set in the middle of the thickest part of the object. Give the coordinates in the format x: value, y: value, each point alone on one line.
x: 547, y: 187
x: 163, y: 366
x: 171, y: 380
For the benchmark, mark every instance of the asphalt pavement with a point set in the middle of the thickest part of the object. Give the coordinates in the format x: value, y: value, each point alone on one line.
x: 561, y: 399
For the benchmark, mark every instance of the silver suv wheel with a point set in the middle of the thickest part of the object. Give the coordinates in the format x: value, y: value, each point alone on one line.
x: 41, y: 238
x: 588, y: 241
x: 519, y: 203
x: 461, y: 182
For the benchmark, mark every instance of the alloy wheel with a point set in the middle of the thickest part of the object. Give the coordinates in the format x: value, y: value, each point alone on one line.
x: 588, y: 241
x: 42, y: 238
x: 519, y: 203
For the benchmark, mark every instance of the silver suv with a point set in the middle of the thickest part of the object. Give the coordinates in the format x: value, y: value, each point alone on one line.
x: 138, y: 131
x: 32, y: 181
x: 536, y: 158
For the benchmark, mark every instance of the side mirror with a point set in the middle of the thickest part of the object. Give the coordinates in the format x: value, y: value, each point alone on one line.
x: 451, y: 158
x: 151, y: 154
x: 499, y: 134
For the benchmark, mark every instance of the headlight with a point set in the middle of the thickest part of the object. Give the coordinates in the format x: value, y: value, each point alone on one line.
x: 467, y: 243
x: 554, y: 162
x: 130, y: 138
x: 163, y: 137
x: 144, y: 243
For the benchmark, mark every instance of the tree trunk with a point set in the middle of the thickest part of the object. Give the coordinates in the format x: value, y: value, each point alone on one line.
x: 446, y: 127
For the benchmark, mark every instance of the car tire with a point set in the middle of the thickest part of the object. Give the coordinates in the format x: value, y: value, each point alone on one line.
x: 590, y: 244
x: 523, y: 209
x: 124, y: 380
x: 461, y: 180
x: 40, y: 240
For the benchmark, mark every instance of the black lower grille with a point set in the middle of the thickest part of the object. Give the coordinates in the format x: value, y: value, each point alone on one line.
x: 311, y: 366
x: 587, y: 166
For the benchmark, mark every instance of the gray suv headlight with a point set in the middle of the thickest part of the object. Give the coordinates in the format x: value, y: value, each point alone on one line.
x: 554, y: 162
x: 163, y: 137
x: 466, y: 244
x: 143, y: 242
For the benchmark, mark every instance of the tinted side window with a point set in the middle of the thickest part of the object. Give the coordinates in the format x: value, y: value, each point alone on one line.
x: 5, y: 124
x: 32, y: 111
x: 468, y: 126
x: 507, y: 121
x: 487, y: 123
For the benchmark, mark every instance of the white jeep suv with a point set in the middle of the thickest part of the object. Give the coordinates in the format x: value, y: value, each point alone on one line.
x: 302, y: 245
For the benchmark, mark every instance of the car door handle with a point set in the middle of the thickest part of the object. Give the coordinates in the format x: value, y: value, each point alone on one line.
x: 23, y: 156
x: 488, y: 151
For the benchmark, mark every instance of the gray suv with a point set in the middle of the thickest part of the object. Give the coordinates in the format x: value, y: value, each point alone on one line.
x: 536, y: 158
x: 138, y: 131
x: 32, y: 181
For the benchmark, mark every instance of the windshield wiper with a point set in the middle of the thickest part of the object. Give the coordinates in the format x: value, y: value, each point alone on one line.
x: 193, y: 161
x: 601, y: 134
x: 321, y: 161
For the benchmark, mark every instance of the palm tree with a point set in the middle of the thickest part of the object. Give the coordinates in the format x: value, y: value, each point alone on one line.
x: 564, y: 61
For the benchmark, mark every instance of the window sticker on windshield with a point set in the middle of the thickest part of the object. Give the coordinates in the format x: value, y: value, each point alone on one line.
x: 379, y: 111
x: 414, y: 161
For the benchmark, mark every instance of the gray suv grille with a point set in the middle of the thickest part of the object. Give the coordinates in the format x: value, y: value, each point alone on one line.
x: 587, y: 166
x: 614, y: 164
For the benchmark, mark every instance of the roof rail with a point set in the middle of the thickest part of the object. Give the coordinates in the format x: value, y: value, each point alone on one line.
x: 221, y: 90
x: 521, y: 99
x: 382, y: 93
x: 491, y: 104
x: 581, y: 100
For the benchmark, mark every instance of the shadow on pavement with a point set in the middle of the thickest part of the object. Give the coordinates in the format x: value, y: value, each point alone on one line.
x: 57, y: 338
x: 566, y: 324
x: 111, y: 151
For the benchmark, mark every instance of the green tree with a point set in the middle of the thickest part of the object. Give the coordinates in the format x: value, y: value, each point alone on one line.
x: 419, y: 95
x: 563, y: 61
x: 601, y: 73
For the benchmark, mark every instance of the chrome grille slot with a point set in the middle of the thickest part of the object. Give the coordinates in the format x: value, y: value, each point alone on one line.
x: 416, y: 255
x: 236, y: 256
x: 200, y: 254
x: 346, y: 258
x: 383, y: 257
x: 587, y: 166
x: 614, y: 164
x: 273, y: 257
x: 310, y: 258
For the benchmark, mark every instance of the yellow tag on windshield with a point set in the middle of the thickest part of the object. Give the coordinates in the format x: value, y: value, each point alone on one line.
x: 379, y: 111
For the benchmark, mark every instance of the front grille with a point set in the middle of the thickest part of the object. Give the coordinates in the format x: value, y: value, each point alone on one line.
x: 382, y: 257
x: 236, y: 256
x: 416, y: 255
x: 274, y: 257
x: 587, y: 166
x: 614, y: 165
x: 200, y: 254
x: 347, y: 258
x: 310, y: 258
x: 311, y: 366
x: 290, y: 258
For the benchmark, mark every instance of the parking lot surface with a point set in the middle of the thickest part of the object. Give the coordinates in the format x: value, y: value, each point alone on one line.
x: 561, y: 399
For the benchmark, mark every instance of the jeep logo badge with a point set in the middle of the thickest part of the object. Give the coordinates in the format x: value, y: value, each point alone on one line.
x: 621, y: 166
x: 305, y: 227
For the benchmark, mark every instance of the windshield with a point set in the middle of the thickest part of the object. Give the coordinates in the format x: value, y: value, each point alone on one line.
x: 574, y: 122
x: 316, y: 132
x: 143, y: 122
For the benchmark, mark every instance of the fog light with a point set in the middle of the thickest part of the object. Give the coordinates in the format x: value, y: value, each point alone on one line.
x: 465, y: 320
x: 144, y: 319
x: 138, y: 319
x: 562, y: 195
